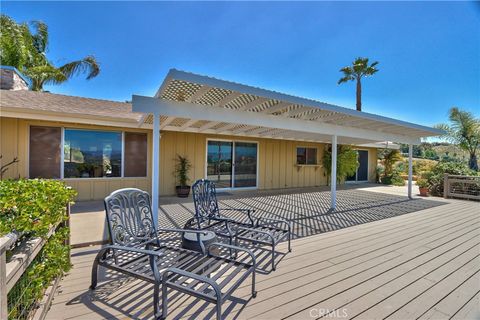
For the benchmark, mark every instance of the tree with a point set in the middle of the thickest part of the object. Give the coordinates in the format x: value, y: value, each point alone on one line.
x: 347, y: 162
x: 463, y: 130
x: 24, y: 46
x: 388, y: 158
x: 357, y: 71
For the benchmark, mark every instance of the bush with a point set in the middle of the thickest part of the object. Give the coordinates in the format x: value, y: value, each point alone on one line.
x: 436, y: 175
x: 420, y: 166
x: 32, y: 207
x: 394, y: 178
x: 347, y: 162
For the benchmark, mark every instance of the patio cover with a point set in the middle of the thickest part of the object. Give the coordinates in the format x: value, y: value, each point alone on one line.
x: 194, y: 103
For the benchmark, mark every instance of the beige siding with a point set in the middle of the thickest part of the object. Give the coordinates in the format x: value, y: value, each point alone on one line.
x: 276, y: 167
x: 14, y: 143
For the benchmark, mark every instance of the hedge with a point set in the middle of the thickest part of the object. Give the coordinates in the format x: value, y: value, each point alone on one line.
x: 31, y: 208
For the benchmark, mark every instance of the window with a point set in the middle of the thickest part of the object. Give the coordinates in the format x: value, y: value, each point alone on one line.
x: 135, y: 154
x: 44, y: 151
x: 86, y: 153
x: 92, y: 154
x: 306, y: 155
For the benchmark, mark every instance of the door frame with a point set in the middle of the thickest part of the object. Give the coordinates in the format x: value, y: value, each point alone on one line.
x: 233, y: 141
x: 368, y: 168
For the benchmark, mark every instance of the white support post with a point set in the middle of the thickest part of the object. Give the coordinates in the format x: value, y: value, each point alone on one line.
x: 333, y: 179
x: 155, y: 166
x: 410, y: 170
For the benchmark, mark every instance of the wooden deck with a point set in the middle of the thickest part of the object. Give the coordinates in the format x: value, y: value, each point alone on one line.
x: 378, y: 256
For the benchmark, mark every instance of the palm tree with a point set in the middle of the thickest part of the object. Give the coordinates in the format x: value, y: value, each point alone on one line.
x: 24, y: 47
x: 49, y: 74
x: 463, y: 130
x: 356, y: 71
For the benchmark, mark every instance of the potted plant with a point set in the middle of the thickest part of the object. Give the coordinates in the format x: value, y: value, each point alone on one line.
x: 422, y: 184
x: 181, y: 171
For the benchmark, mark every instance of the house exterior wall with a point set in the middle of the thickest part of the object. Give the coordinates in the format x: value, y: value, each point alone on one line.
x: 276, y: 159
x: 14, y: 142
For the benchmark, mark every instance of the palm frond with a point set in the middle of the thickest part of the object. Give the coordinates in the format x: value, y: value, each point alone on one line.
x: 346, y: 79
x: 43, y: 75
x: 87, y: 65
x: 40, y: 37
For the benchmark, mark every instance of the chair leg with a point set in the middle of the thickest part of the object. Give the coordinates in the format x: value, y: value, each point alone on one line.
x: 254, y: 292
x: 93, y: 284
x: 289, y: 241
x: 235, y: 255
x: 156, y: 302
x: 219, y: 310
x: 273, y: 257
x: 164, y: 302
x: 230, y: 242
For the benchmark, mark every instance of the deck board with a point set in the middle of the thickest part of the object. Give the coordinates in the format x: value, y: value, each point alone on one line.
x: 398, y: 258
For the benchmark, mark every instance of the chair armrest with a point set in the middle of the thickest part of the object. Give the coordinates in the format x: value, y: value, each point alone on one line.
x: 272, y: 222
x: 204, y: 232
x: 229, y: 246
x: 131, y: 249
x: 193, y: 276
x: 259, y: 231
x: 248, y: 212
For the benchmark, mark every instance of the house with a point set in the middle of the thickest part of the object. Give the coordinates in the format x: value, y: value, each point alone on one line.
x: 236, y: 135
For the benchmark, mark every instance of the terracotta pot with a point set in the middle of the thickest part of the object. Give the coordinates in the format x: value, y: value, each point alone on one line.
x: 423, y: 191
x: 183, y: 191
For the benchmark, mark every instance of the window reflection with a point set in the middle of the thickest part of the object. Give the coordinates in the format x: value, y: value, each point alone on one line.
x: 92, y: 154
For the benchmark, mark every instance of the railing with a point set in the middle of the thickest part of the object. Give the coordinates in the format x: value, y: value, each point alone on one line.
x: 12, y: 273
x: 465, y: 187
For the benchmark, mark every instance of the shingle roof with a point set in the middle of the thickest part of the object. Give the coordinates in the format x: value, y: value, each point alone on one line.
x: 58, y: 103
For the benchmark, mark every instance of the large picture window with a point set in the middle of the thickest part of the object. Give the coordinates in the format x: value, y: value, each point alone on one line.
x: 306, y: 155
x: 86, y: 153
x: 92, y: 154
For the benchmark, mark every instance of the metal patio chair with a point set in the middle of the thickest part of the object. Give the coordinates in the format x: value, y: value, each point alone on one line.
x: 137, y: 250
x: 208, y: 216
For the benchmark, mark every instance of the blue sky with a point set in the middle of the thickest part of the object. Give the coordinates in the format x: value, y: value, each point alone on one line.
x: 429, y: 52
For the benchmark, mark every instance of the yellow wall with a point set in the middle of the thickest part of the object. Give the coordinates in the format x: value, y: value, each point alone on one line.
x: 14, y: 143
x: 276, y: 168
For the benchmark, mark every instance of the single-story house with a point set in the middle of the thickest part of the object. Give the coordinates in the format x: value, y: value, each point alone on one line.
x: 236, y: 135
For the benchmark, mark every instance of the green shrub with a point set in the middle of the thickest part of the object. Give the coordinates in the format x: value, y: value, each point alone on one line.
x: 32, y: 207
x: 436, y: 175
x: 347, y: 162
x: 423, y: 165
x: 51, y: 262
x: 394, y: 178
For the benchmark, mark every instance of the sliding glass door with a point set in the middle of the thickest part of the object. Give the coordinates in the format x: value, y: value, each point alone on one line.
x: 362, y: 170
x: 245, y: 165
x: 219, y: 163
x: 232, y: 164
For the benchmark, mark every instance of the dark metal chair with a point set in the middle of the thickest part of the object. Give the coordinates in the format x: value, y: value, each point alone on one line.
x: 137, y: 250
x: 208, y: 216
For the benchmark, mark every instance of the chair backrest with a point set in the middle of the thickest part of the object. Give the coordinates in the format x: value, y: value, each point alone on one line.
x: 129, y: 217
x: 205, y: 200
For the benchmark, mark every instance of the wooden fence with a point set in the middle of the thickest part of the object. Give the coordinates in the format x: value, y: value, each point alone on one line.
x: 465, y: 187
